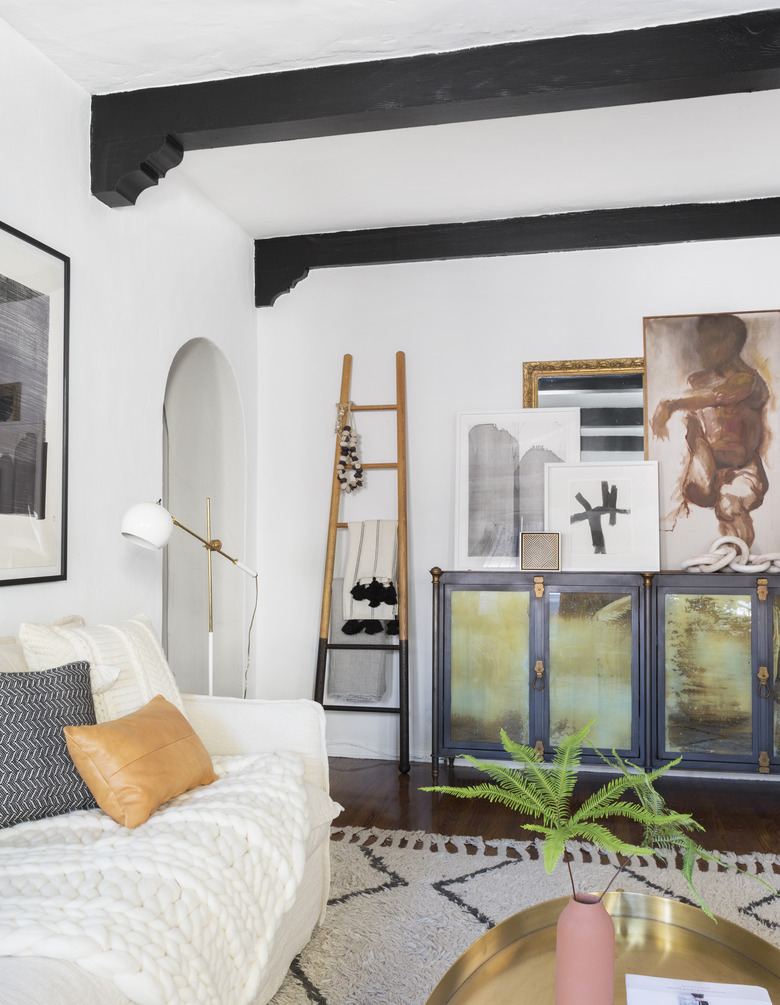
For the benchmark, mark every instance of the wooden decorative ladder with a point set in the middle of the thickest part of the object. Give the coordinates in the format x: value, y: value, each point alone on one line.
x: 402, y: 646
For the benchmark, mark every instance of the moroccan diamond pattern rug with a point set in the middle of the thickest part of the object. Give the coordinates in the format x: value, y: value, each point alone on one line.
x: 404, y: 906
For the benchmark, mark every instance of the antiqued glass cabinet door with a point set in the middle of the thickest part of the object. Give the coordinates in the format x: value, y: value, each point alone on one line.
x: 591, y: 666
x: 708, y: 674
x: 774, y: 678
x: 489, y: 655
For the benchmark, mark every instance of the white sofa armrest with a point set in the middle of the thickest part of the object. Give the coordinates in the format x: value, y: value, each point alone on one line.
x: 257, y: 726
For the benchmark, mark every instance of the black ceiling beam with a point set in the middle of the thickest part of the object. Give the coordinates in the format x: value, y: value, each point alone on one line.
x: 281, y: 262
x: 137, y: 136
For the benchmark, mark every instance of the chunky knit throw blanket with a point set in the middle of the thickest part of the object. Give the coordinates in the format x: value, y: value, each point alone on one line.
x: 182, y: 909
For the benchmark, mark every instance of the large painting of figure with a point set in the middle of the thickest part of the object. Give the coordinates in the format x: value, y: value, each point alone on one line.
x: 711, y: 406
x: 500, y: 479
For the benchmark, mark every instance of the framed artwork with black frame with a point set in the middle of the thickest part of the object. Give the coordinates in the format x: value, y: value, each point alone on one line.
x: 34, y: 310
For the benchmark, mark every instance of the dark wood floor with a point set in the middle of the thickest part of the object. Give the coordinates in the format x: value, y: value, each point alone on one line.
x: 740, y: 816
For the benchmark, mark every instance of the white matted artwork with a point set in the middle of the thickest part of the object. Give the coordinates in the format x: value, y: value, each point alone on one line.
x: 606, y: 514
x: 501, y: 458
x: 711, y: 412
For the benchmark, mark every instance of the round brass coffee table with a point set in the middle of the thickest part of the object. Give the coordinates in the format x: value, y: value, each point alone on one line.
x: 654, y: 936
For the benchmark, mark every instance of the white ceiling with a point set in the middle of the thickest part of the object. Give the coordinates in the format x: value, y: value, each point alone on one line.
x: 497, y: 169
x: 505, y: 167
x: 112, y: 45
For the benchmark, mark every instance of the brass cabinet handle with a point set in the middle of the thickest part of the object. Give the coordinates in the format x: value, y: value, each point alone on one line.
x: 763, y: 682
x: 539, y: 679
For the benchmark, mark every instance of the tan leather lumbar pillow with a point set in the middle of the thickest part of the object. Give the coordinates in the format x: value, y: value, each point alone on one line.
x: 134, y: 764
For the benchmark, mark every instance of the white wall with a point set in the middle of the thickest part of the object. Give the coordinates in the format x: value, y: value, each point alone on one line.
x: 148, y: 279
x: 144, y: 281
x: 466, y: 327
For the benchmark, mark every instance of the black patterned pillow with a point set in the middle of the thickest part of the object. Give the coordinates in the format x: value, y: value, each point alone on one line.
x: 37, y: 776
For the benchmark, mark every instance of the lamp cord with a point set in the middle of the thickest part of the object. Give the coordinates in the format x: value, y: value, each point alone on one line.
x: 249, y: 636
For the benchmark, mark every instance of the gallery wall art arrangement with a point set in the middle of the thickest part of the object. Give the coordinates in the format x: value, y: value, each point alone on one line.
x: 680, y: 471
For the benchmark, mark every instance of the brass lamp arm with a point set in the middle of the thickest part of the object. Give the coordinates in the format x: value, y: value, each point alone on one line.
x: 215, y: 546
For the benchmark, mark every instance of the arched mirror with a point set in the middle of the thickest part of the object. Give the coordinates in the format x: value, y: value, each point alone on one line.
x: 204, y: 458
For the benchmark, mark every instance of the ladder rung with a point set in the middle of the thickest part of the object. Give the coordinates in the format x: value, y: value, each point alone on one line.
x: 374, y: 408
x: 360, y: 708
x: 375, y: 464
x: 365, y: 646
x: 342, y: 526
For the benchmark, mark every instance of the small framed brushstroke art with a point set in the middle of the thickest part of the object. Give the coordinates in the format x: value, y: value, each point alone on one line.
x: 606, y: 514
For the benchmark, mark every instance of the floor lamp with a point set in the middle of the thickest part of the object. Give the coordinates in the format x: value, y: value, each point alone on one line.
x: 150, y: 525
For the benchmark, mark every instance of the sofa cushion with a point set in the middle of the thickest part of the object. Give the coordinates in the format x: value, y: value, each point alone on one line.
x: 37, y: 776
x: 12, y: 661
x: 11, y: 656
x: 131, y: 646
x: 11, y: 652
x: 135, y: 764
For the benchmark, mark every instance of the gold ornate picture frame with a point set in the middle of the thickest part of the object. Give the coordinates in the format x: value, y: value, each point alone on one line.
x: 532, y: 372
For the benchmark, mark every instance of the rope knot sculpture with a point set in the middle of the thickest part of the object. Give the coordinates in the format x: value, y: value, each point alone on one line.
x: 732, y: 554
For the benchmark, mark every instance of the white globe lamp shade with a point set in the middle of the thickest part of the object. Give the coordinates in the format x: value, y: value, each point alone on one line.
x: 147, y: 524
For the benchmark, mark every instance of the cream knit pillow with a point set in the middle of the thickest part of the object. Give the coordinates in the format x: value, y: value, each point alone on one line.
x: 11, y: 653
x: 131, y: 646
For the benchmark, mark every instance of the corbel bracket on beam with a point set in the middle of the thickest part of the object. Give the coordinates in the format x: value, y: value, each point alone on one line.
x: 151, y: 159
x: 139, y: 135
x: 281, y: 262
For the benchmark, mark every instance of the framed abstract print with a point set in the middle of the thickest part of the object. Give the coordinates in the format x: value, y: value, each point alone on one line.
x: 500, y: 480
x: 606, y: 514
x: 34, y: 291
x: 712, y: 382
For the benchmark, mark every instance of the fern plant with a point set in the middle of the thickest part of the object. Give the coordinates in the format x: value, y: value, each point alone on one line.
x: 544, y: 792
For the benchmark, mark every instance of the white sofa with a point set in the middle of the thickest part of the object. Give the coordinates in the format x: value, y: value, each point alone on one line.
x: 228, y: 727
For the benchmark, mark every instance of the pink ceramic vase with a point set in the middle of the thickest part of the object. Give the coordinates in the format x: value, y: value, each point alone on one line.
x: 585, y: 953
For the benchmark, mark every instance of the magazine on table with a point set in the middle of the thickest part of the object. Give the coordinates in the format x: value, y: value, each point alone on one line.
x: 665, y: 991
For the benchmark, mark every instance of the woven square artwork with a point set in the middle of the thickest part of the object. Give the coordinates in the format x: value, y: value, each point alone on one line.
x: 540, y: 551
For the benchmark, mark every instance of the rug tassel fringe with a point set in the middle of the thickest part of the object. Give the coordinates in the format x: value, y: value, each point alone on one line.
x: 756, y: 863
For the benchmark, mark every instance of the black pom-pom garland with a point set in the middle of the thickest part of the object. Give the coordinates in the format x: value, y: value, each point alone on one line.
x: 349, y: 470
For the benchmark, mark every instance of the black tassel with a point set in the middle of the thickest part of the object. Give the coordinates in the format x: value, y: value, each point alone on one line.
x: 375, y: 593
